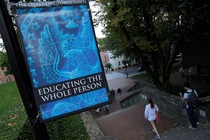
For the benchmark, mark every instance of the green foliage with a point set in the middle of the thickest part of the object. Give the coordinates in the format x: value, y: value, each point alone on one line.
x: 125, y: 62
x: 67, y: 128
x: 12, y: 113
x: 8, y: 96
x: 101, y: 44
x: 3, y: 58
x: 15, y: 125
x: 101, y: 41
x: 4, y: 62
x: 142, y: 76
x: 153, y: 31
x: 108, y: 65
x: 26, y: 132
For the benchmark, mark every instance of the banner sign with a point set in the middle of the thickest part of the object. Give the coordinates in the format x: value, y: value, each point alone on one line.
x: 62, y: 57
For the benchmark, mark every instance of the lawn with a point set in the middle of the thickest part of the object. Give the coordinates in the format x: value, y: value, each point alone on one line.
x: 12, y: 113
x: 9, y: 95
x: 15, y: 125
x: 141, y: 76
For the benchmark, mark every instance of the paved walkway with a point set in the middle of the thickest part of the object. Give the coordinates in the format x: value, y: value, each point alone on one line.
x: 129, y: 123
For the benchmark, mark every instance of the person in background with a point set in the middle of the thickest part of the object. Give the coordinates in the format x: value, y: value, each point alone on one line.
x: 113, y: 93
x: 119, y: 91
x: 190, y: 109
x: 106, y: 109
x: 98, y: 110
x: 150, y: 114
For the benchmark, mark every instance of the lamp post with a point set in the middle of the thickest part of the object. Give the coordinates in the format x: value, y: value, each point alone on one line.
x: 126, y: 70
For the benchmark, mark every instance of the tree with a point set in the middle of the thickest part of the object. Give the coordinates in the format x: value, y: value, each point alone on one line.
x: 108, y: 66
x: 152, y: 31
x: 125, y: 62
x: 133, y: 25
x: 4, y: 62
x: 101, y: 44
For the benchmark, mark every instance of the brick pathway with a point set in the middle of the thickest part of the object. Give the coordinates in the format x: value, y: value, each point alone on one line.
x: 129, y: 123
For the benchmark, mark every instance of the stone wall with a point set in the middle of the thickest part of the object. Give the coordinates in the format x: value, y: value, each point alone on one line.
x: 92, y: 127
x: 5, y: 79
x: 169, y: 104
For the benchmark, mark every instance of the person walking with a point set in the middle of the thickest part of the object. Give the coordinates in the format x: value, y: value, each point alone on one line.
x: 150, y: 113
x: 112, y: 94
x: 119, y: 91
x: 190, y: 97
x: 98, y: 110
x: 106, y: 109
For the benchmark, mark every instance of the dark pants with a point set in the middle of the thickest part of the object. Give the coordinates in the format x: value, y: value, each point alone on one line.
x: 192, y: 117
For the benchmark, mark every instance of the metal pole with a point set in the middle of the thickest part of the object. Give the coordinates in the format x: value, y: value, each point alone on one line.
x: 20, y: 72
x: 126, y: 71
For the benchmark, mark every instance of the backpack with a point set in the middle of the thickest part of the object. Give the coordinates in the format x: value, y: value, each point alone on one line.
x: 192, y: 99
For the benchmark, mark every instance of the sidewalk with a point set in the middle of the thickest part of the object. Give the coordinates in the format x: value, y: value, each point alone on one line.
x: 129, y: 123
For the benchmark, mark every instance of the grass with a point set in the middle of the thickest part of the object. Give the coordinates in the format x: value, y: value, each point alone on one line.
x: 12, y: 113
x: 67, y: 128
x: 8, y: 96
x: 143, y: 76
x: 15, y: 125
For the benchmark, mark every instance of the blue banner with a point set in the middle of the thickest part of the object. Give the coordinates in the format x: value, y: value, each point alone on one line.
x: 62, y: 57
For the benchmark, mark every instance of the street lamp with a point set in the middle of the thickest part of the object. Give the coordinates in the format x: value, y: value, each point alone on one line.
x: 126, y: 70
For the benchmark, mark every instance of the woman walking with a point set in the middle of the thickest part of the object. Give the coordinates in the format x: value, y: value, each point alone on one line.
x: 150, y: 113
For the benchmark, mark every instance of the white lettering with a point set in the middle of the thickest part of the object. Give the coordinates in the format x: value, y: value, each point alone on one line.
x: 87, y: 87
x: 58, y: 95
x: 94, y: 78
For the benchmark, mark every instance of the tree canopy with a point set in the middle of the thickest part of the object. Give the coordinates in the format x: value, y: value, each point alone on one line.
x: 4, y: 62
x: 153, y: 31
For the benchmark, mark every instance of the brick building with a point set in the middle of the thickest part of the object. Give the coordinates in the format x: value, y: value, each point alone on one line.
x: 3, y: 78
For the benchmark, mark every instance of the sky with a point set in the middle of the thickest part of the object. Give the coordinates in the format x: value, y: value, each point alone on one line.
x: 1, y: 41
x: 98, y: 29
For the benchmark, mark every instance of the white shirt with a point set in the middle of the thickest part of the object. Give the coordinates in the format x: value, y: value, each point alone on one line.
x: 150, y: 113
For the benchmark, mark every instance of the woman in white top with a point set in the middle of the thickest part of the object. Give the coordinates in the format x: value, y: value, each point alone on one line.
x: 150, y: 114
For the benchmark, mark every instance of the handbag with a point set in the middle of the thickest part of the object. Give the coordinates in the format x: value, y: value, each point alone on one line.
x: 157, y: 117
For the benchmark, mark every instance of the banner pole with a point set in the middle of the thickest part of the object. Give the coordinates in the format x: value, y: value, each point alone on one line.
x: 20, y: 72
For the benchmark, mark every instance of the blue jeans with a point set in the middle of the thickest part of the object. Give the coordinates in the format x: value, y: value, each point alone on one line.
x: 192, y: 117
